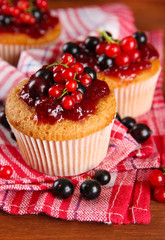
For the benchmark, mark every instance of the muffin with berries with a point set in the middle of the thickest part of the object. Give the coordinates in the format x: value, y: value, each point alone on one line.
x: 25, y: 24
x: 131, y: 66
x: 62, y: 118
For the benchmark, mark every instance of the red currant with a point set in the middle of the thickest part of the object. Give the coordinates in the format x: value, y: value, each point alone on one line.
x: 135, y: 55
x: 78, y: 68
x: 112, y: 50
x: 22, y: 4
x: 61, y: 86
x: 85, y: 79
x: 14, y: 11
x: 100, y: 48
x: 159, y: 194
x: 5, y: 8
x: 68, y: 59
x: 54, y: 91
x: 27, y: 18
x: 57, y: 76
x: 128, y: 44
x: 156, y: 178
x: 122, y: 59
x: 58, y: 68
x: 6, y: 172
x: 71, y: 85
x: 67, y: 102
x: 77, y: 96
x: 42, y: 4
x: 67, y: 73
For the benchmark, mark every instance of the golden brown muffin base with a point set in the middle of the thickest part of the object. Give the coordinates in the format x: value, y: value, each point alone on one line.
x: 20, y: 38
x: 20, y: 116
x: 142, y: 76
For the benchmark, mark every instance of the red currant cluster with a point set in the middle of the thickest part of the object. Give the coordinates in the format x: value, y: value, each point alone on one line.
x: 67, y: 75
x: 22, y: 11
x: 124, y: 52
x: 157, y: 179
x: 6, y: 172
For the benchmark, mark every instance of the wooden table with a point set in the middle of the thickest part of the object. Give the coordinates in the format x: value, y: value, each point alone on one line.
x: 149, y: 15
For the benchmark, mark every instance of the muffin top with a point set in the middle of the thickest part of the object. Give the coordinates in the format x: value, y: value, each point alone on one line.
x: 61, y: 101
x: 122, y: 61
x: 27, y: 20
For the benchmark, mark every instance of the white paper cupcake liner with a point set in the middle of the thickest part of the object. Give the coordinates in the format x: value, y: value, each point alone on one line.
x: 64, y: 158
x: 11, y: 53
x: 136, y: 98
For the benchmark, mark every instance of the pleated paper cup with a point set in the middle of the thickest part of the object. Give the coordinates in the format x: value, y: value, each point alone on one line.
x: 136, y: 98
x: 64, y: 158
x: 11, y: 53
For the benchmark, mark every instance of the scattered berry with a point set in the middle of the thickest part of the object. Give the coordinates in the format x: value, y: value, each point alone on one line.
x: 6, y: 172
x: 159, y: 194
x: 141, y: 132
x: 90, y: 189
x: 102, y: 176
x: 129, y: 122
x: 156, y: 178
x: 67, y: 102
x: 63, y: 188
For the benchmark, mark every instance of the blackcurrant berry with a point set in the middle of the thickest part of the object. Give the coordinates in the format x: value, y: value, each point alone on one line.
x: 72, y: 48
x: 63, y: 188
x: 38, y: 87
x: 129, y: 122
x: 3, y: 119
x: 140, y: 132
x: 5, y: 20
x: 81, y: 88
x: 141, y: 37
x: 91, y: 43
x: 102, y: 176
x: 118, y: 117
x: 105, y: 62
x: 37, y: 14
x: 46, y: 74
x: 90, y: 189
x: 103, y: 39
x: 91, y: 72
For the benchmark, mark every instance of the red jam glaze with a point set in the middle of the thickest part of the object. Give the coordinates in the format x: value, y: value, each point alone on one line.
x: 35, y: 30
x: 148, y: 53
x: 49, y: 109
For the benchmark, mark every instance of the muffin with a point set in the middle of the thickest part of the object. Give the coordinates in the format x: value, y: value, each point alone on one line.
x: 24, y: 25
x: 62, y: 118
x: 132, y: 67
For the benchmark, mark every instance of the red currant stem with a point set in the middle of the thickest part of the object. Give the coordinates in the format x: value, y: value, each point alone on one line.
x: 163, y: 168
x: 108, y: 38
x: 64, y: 92
x: 59, y: 63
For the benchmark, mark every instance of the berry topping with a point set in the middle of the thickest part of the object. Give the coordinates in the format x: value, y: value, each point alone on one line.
x: 67, y: 73
x: 112, y: 50
x: 141, y: 132
x: 68, y: 59
x: 85, y: 79
x: 63, y: 188
x: 46, y: 74
x: 57, y: 76
x: 140, y: 37
x: 71, y: 48
x: 77, y: 96
x: 100, y: 48
x: 81, y: 88
x: 122, y: 59
x: 38, y: 87
x: 102, y: 176
x: 78, y: 68
x: 71, y: 85
x: 91, y: 43
x: 67, y: 102
x: 105, y: 62
x: 55, y: 91
x: 129, y: 122
x: 135, y: 55
x: 90, y: 189
x: 128, y: 44
x: 37, y: 14
x: 91, y: 72
x: 6, y: 172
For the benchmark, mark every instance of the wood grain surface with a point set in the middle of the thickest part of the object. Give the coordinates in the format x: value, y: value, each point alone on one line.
x: 149, y: 15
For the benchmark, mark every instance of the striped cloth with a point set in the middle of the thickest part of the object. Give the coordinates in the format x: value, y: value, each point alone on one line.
x: 126, y: 198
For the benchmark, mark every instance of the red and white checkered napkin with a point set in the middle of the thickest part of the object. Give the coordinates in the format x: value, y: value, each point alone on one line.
x: 126, y: 199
